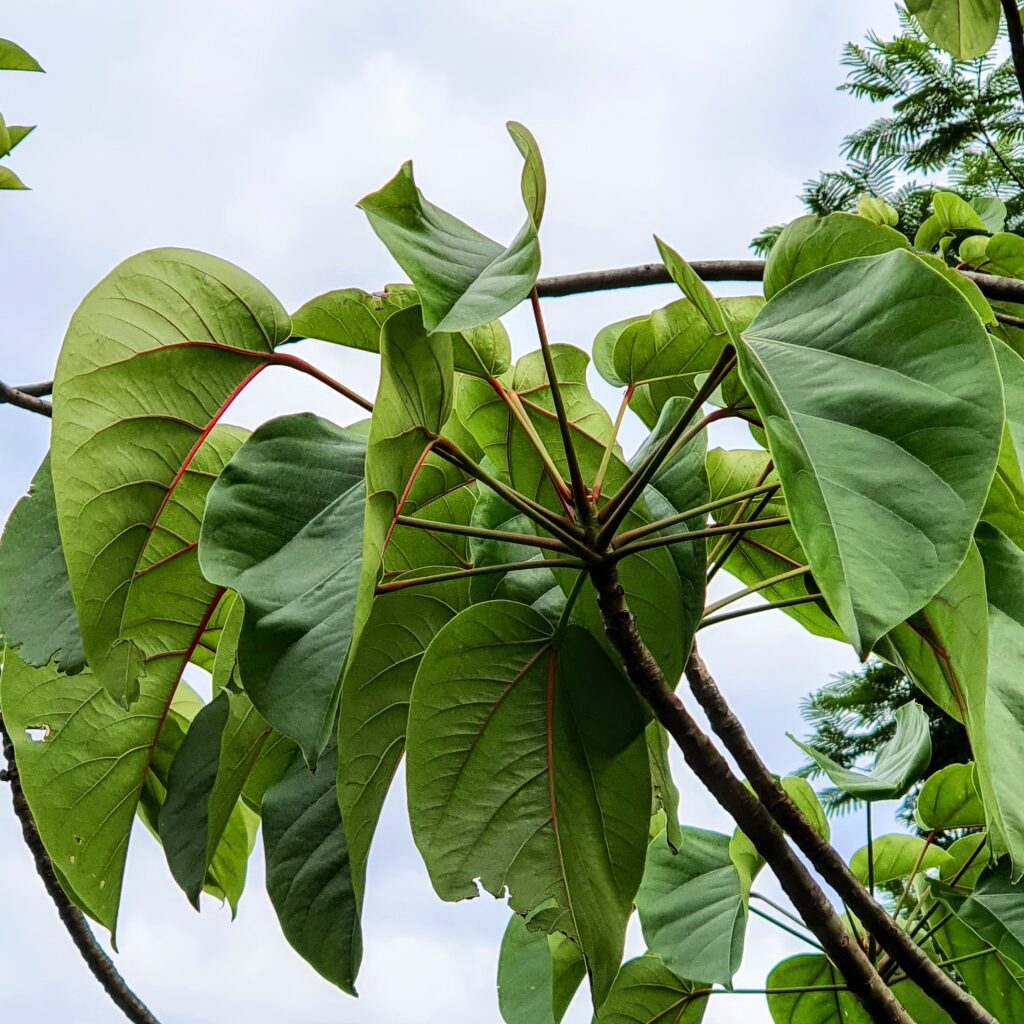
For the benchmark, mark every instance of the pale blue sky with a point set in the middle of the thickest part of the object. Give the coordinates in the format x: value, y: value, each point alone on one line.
x: 249, y: 129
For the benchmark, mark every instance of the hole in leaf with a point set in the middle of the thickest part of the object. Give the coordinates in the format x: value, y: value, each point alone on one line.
x: 38, y: 733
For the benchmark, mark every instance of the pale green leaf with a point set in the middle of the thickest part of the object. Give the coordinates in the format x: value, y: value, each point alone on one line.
x: 350, y: 316
x: 950, y: 799
x: 965, y: 28
x: 895, y: 857
x: 952, y: 215
x: 15, y: 58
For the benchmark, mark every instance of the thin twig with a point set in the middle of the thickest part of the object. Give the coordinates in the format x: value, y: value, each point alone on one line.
x: 480, y: 570
x: 739, y: 613
x: 26, y: 400
x: 755, y: 588
x: 719, y: 530
x: 505, y: 536
x: 95, y: 957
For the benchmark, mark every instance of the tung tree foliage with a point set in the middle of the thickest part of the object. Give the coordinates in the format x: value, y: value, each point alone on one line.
x: 476, y: 577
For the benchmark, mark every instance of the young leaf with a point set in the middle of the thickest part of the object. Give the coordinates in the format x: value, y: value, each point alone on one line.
x: 693, y: 907
x: 900, y: 761
x: 809, y: 243
x: 647, y: 992
x: 350, y: 316
x: 528, y: 770
x: 375, y: 702
x: 167, y: 366
x: 951, y: 216
x: 950, y: 799
x: 37, y: 615
x: 1004, y: 255
x: 464, y: 279
x: 894, y: 858
x: 10, y: 181
x: 308, y: 870
x: 887, y: 475
x: 538, y: 974
x: 693, y: 288
x: 414, y: 400
x: 965, y: 28
x: 283, y: 528
x: 15, y: 58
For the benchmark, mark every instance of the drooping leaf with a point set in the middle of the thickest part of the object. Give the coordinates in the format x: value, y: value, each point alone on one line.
x: 204, y: 785
x: 527, y: 769
x: 350, y: 316
x: 1004, y: 709
x: 809, y: 243
x: 693, y: 288
x: 414, y: 400
x: 663, y: 788
x: 283, y: 528
x: 965, y: 28
x: 375, y: 703
x: 693, y: 907
x: 895, y: 856
x: 900, y: 762
x: 950, y: 799
x: 37, y: 614
x: 886, y: 472
x: 647, y: 992
x: 15, y: 58
x: 464, y: 279
x: 309, y: 872
x: 538, y: 974
x: 167, y: 339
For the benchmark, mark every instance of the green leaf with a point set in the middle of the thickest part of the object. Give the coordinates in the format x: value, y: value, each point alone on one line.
x: 414, y: 400
x: 1004, y: 255
x: 37, y: 614
x: 895, y: 856
x: 809, y: 243
x: 538, y: 974
x: 14, y: 58
x: 167, y: 366
x: 350, y: 316
x: 991, y: 210
x: 204, y: 784
x: 603, y: 349
x: 950, y: 799
x: 1004, y: 714
x: 900, y: 762
x: 663, y: 788
x: 952, y: 215
x: 693, y: 907
x: 528, y: 770
x: 283, y: 528
x: 965, y: 28
x: 375, y: 702
x: 763, y: 554
x: 693, y: 288
x: 808, y: 970
x: 962, y: 851
x: 877, y: 210
x: 464, y: 279
x: 9, y: 180
x: 995, y: 911
x: 647, y: 992
x: 887, y: 475
x: 309, y: 872
x: 17, y: 133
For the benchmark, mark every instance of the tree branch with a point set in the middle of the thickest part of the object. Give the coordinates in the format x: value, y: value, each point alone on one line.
x: 1016, y: 32
x: 714, y: 772
x: 26, y: 400
x: 903, y: 951
x: 101, y: 966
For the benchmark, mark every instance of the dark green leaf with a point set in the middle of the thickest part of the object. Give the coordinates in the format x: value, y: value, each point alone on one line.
x: 816, y: 1007
x: 37, y: 614
x: 308, y: 870
x: 886, y: 471
x: 464, y: 279
x: 283, y: 528
x: 647, y: 992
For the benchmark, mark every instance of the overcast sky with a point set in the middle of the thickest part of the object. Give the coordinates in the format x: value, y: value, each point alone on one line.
x: 249, y: 130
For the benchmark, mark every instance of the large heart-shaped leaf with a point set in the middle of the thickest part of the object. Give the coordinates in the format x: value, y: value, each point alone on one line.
x: 37, y: 614
x: 527, y: 770
x: 886, y: 468
x: 538, y: 974
x: 693, y: 907
x: 414, y: 400
x: 375, y: 705
x: 950, y: 799
x: 965, y: 28
x: 283, y: 528
x: 647, y: 992
x: 204, y: 784
x: 810, y: 243
x: 308, y: 870
x: 894, y: 857
x: 166, y: 341
x: 900, y: 762
x: 464, y: 279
